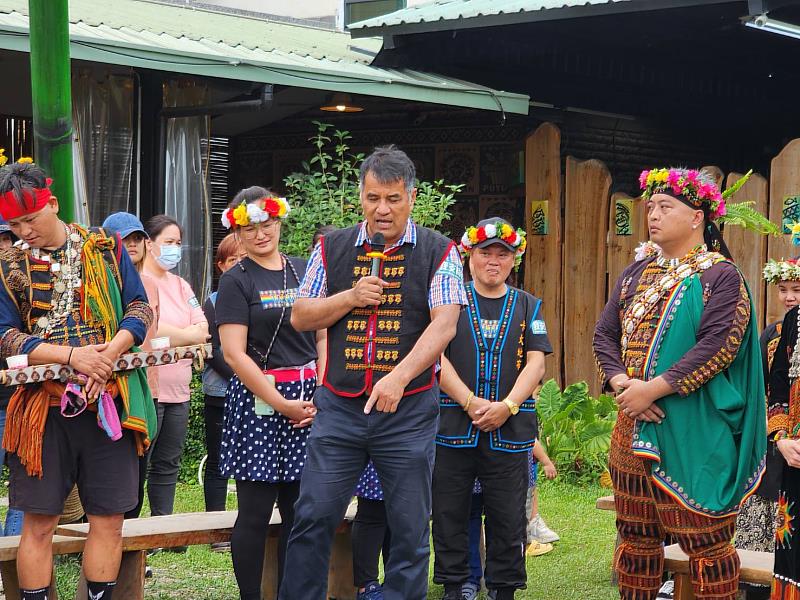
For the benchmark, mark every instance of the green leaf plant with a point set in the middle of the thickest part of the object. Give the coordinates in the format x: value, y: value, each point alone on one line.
x: 326, y: 192
x: 575, y: 429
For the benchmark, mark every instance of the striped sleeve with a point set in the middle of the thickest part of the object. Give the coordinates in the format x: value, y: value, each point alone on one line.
x: 447, y: 285
x: 315, y: 281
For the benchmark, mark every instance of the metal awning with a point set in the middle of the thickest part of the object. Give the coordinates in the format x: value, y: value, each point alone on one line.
x: 446, y: 15
x: 139, y: 33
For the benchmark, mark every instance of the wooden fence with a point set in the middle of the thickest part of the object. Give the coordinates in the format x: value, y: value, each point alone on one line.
x: 580, y: 239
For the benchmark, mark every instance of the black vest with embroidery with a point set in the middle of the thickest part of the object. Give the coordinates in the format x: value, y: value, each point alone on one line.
x: 31, y: 284
x: 490, y: 367
x: 367, y: 343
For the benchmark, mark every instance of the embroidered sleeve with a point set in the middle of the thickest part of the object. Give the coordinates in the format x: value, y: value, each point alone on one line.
x: 722, y: 327
x: 779, y: 383
x: 447, y: 284
x: 607, y: 337
x: 140, y: 310
x: 14, y: 342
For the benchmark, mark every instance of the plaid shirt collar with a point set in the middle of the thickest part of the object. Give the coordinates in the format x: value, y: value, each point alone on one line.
x: 409, y: 237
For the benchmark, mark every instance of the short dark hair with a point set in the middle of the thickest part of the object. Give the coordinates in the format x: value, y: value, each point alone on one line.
x: 389, y: 164
x: 158, y: 223
x: 21, y: 177
x: 321, y: 231
x: 250, y: 194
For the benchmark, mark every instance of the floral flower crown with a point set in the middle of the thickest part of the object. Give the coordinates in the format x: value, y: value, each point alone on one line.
x: 500, y: 230
x: 258, y: 211
x: 776, y: 271
x: 695, y: 186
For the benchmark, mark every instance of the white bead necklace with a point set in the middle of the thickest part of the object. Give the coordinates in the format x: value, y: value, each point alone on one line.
x: 66, y: 278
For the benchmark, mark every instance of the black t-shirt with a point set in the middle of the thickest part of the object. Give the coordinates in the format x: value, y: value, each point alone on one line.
x: 535, y: 332
x: 254, y: 296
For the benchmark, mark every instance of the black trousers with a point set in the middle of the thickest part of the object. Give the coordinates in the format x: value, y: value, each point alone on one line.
x: 144, y: 463
x: 371, y: 535
x: 249, y: 537
x: 504, y: 478
x: 341, y: 442
x: 215, y: 486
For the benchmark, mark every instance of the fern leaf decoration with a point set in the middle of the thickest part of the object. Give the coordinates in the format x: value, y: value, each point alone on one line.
x: 737, y: 186
x: 742, y: 214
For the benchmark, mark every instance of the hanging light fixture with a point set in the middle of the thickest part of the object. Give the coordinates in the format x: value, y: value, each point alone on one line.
x: 342, y: 103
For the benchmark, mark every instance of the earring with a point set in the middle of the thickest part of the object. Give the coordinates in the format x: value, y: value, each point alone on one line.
x: 694, y: 226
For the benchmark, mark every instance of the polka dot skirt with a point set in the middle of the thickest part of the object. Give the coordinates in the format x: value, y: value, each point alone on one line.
x: 369, y: 486
x: 533, y: 469
x: 256, y: 448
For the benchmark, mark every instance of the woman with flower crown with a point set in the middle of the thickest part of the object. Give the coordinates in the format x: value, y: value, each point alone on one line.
x: 756, y: 522
x: 678, y: 346
x: 783, y: 426
x: 268, y: 406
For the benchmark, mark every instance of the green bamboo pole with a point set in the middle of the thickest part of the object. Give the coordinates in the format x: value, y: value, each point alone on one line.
x: 51, y: 89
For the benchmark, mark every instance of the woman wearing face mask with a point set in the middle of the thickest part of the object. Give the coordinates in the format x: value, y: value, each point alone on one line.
x: 183, y: 321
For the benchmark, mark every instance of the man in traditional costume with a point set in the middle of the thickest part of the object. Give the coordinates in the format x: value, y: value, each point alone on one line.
x: 70, y: 297
x: 390, y: 313
x: 487, y: 422
x: 677, y: 344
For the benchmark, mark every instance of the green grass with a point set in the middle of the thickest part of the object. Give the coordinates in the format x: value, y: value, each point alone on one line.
x: 578, y: 568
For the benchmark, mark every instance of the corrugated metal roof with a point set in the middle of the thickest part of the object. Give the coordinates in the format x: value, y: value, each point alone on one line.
x: 138, y: 33
x: 454, y: 14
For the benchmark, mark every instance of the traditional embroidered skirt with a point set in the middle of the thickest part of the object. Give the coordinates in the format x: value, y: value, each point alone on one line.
x: 263, y: 448
x: 786, y: 584
x: 756, y: 524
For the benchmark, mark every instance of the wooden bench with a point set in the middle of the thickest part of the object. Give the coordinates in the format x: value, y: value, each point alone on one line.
x: 9, y: 546
x: 188, y: 529
x: 605, y: 503
x: 756, y: 568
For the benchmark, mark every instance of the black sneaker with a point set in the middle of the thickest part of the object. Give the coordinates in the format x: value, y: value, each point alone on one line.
x: 452, y: 593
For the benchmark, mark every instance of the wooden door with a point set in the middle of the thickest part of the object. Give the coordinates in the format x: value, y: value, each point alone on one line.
x: 784, y: 207
x: 585, y: 229
x: 543, y: 200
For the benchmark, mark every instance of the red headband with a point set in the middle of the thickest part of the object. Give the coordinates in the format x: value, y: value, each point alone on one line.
x: 34, y: 201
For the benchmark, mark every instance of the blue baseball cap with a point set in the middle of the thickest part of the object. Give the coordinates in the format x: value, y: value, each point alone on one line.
x: 5, y: 228
x: 124, y: 223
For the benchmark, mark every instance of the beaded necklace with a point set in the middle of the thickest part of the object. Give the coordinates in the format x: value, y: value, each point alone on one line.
x: 698, y: 260
x: 65, y: 270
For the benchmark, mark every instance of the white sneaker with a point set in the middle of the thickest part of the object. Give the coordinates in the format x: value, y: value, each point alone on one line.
x: 539, y: 531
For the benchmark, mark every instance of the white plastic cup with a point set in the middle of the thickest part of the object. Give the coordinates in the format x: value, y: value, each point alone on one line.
x: 159, y: 343
x: 20, y: 361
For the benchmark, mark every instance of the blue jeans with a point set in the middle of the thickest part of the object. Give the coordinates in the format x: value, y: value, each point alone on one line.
x: 14, y: 516
x: 342, y: 440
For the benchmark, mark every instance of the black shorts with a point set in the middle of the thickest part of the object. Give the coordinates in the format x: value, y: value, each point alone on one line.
x: 77, y: 450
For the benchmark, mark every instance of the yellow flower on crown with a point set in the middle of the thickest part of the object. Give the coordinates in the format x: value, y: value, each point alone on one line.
x: 25, y: 160
x: 240, y: 215
x: 3, y: 157
x: 281, y: 208
x: 472, y: 233
x: 506, y: 230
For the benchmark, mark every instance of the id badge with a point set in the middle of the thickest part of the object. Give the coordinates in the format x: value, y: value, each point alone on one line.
x: 261, y: 408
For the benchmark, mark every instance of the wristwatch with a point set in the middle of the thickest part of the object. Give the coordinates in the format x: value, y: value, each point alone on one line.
x: 513, y: 407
